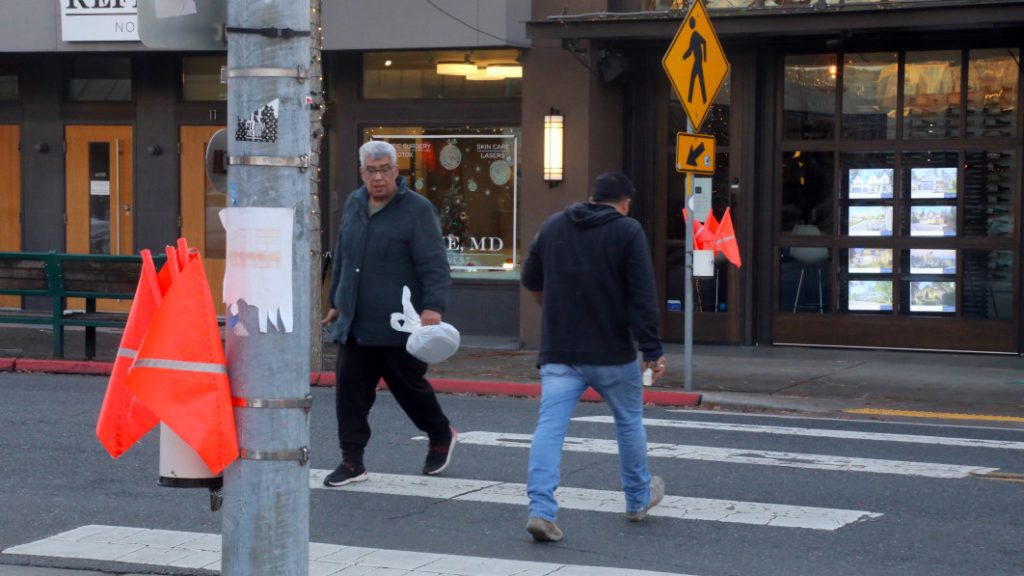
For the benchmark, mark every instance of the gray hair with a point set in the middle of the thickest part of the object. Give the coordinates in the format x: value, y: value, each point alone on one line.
x: 375, y: 149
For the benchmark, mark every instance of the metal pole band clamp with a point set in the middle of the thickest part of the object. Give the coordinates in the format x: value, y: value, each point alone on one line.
x: 299, y: 73
x: 301, y: 455
x: 277, y: 403
x: 300, y: 162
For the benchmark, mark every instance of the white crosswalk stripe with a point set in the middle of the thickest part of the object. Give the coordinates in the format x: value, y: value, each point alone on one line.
x: 742, y: 456
x: 678, y: 507
x: 198, y: 550
x: 819, y: 433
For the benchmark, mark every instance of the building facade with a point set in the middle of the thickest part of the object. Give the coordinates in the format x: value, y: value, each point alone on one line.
x: 869, y: 151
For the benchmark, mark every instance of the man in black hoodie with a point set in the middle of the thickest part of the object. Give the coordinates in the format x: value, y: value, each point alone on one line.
x: 590, y: 269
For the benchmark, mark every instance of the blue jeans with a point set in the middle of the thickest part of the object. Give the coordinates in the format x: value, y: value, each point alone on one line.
x: 561, y: 388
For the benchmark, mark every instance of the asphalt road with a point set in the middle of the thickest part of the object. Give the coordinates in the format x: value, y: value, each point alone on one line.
x: 56, y: 477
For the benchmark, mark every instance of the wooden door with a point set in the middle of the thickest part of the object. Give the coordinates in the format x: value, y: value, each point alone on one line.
x: 99, y: 199
x: 10, y: 198
x: 200, y: 203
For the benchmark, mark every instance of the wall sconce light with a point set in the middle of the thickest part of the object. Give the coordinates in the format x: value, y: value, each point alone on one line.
x: 42, y: 147
x: 554, y: 124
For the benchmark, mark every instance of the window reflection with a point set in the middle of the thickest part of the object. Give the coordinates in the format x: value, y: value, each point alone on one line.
x: 807, y: 191
x: 870, y: 83
x: 810, y: 97
x: 989, y: 185
x: 471, y: 176
x: 931, y: 95
x: 992, y: 93
x: 200, y: 77
x: 414, y: 74
x: 805, y: 279
x: 100, y: 79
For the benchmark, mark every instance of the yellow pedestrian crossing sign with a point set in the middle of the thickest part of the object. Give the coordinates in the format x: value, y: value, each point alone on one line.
x: 696, y: 64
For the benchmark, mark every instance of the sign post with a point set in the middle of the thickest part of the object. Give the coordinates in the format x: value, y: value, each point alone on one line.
x: 696, y: 66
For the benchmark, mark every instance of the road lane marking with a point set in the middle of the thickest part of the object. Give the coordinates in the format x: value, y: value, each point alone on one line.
x: 1002, y: 477
x: 819, y: 432
x: 678, y: 507
x: 937, y: 415
x: 741, y: 456
x: 192, y: 550
x: 873, y: 421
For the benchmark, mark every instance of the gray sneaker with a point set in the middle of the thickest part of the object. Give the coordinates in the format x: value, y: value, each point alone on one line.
x: 657, y: 493
x: 543, y: 530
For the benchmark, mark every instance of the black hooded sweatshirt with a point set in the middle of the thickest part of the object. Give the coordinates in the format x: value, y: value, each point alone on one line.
x: 594, y: 267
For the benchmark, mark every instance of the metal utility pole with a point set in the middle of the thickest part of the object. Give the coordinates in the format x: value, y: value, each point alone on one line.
x: 266, y: 492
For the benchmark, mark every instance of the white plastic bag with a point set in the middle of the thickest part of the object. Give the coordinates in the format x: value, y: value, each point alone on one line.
x: 430, y: 344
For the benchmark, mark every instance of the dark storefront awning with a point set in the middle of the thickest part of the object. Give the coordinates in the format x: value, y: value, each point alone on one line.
x: 803, y: 20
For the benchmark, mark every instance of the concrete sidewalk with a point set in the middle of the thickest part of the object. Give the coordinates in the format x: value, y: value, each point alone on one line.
x: 752, y: 378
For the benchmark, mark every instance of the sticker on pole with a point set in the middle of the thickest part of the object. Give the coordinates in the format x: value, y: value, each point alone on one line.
x: 261, y: 125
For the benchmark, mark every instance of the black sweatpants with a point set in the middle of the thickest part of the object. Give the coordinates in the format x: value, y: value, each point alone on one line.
x: 358, y: 370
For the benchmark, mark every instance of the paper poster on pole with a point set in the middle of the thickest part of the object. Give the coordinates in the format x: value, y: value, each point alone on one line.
x: 258, y: 267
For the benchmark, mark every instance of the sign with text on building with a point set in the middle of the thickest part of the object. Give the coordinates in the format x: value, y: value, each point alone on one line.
x: 99, y: 20
x: 696, y: 64
x: 695, y: 153
x: 472, y: 181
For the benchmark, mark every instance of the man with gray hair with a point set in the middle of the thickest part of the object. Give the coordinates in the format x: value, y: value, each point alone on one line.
x: 389, y: 237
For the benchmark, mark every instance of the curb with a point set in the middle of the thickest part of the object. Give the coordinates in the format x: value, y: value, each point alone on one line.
x: 327, y: 379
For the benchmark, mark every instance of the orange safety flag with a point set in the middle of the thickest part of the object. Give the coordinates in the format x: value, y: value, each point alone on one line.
x: 710, y: 223
x: 703, y: 234
x: 725, y: 240
x: 123, y: 419
x: 180, y: 371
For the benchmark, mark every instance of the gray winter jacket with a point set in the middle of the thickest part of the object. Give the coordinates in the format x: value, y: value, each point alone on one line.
x: 400, y: 245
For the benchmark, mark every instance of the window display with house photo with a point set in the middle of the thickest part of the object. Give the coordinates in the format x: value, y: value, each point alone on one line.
x: 932, y: 183
x: 869, y: 295
x: 869, y: 261
x: 871, y: 183
x: 933, y: 220
x: 869, y: 220
x: 927, y: 261
x: 928, y: 296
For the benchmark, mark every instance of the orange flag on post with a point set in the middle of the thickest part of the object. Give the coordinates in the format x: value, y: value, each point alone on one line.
x: 123, y: 419
x: 180, y: 371
x: 725, y: 240
x: 710, y: 224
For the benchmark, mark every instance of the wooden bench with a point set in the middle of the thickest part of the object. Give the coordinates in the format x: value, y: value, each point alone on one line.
x: 61, y: 276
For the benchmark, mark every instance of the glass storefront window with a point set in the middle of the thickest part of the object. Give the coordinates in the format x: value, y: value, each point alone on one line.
x: 471, y: 176
x: 8, y: 80
x: 200, y: 79
x: 988, y: 285
x: 870, y: 83
x: 808, y: 197
x: 931, y: 94
x: 989, y: 185
x: 809, y: 106
x: 805, y: 279
x: 992, y: 93
x: 100, y: 79
x: 442, y: 74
